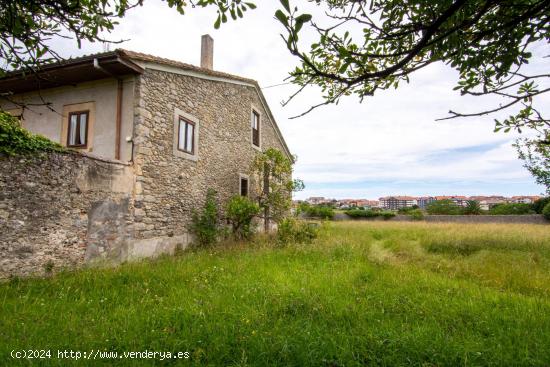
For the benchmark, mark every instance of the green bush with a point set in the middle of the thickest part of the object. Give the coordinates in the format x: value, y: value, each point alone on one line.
x: 546, y: 211
x: 443, y: 207
x: 407, y: 209
x: 205, y: 225
x: 291, y: 230
x: 357, y: 213
x: 240, y: 212
x: 16, y: 140
x: 472, y: 208
x: 540, y: 204
x: 510, y: 209
x: 416, y: 214
x: 387, y: 215
x: 318, y: 211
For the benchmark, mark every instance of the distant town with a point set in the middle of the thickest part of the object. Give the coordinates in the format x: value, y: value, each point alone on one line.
x: 399, y: 202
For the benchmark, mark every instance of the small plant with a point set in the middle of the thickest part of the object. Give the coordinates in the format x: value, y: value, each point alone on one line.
x: 240, y: 212
x: 16, y: 140
x: 540, y: 204
x: 48, y: 267
x: 546, y: 211
x: 291, y: 230
x: 472, y: 208
x: 204, y: 225
x: 416, y: 214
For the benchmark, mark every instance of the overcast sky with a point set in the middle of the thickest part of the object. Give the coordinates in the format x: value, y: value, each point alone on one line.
x: 390, y: 144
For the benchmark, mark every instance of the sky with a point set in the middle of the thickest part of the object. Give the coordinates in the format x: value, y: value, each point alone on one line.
x: 390, y: 144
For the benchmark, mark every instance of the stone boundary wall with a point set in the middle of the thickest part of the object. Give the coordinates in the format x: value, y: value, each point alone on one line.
x: 60, y: 210
x: 527, y: 218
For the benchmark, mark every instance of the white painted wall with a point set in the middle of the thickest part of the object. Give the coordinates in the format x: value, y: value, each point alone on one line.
x: 40, y: 119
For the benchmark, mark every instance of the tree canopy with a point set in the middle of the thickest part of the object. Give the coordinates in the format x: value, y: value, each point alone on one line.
x: 362, y: 47
x: 27, y: 27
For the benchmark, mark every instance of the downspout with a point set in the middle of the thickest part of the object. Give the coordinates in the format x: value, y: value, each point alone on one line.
x: 118, y: 116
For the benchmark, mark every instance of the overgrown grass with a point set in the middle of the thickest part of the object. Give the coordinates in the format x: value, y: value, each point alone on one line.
x: 376, y: 293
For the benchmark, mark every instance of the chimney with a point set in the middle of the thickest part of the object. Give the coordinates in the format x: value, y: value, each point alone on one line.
x: 207, y: 52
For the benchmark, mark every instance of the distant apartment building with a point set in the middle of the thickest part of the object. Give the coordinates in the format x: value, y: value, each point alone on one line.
x: 397, y: 202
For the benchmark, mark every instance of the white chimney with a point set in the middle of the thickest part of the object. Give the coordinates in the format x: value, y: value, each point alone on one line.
x: 207, y: 52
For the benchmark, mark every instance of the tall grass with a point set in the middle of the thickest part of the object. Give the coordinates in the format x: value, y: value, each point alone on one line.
x: 363, y: 293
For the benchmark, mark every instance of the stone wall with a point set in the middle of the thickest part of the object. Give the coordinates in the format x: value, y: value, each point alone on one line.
x: 170, y: 187
x: 65, y: 210
x: 61, y: 210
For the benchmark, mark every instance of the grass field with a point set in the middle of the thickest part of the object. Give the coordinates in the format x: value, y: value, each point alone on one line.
x: 363, y: 294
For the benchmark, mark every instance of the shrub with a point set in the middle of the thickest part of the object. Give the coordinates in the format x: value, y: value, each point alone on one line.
x: 443, y: 207
x: 318, y: 211
x: 416, y: 214
x: 356, y: 213
x: 472, y: 208
x: 291, y: 230
x: 240, y: 212
x: 509, y: 209
x: 406, y: 210
x: 387, y: 215
x: 546, y: 211
x: 16, y: 140
x: 540, y: 204
x: 204, y: 225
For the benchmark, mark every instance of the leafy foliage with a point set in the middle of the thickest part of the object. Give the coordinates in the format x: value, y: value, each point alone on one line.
x: 535, y: 153
x: 546, y: 211
x: 291, y: 230
x: 240, y: 212
x: 205, y: 225
x: 28, y: 27
x: 273, y: 172
x: 16, y: 140
x: 510, y: 209
x: 443, y: 207
x: 472, y: 208
x: 539, y: 205
x: 416, y: 214
x: 317, y: 211
x: 358, y: 213
x: 368, y: 46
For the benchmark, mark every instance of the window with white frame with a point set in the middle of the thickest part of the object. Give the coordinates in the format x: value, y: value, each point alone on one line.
x: 77, y: 129
x: 186, y: 136
x: 255, y: 128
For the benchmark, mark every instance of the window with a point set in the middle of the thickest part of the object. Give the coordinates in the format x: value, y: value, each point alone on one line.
x: 186, y: 136
x: 255, y: 128
x: 244, y: 186
x: 77, y: 130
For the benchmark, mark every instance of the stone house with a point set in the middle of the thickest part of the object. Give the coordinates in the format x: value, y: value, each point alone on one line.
x: 152, y: 135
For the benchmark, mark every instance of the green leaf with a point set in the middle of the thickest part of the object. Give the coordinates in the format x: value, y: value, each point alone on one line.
x: 286, y: 5
x: 304, y: 18
x: 281, y: 17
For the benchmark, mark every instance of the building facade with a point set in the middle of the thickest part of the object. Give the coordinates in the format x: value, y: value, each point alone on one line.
x: 177, y: 129
x: 397, y: 202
